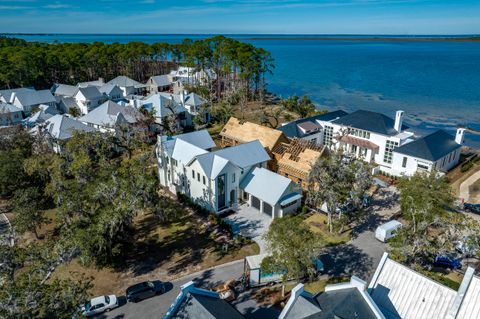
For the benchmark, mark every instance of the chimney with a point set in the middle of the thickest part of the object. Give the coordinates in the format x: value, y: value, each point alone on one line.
x: 398, y: 121
x: 12, y: 97
x: 460, y: 136
x: 101, y: 80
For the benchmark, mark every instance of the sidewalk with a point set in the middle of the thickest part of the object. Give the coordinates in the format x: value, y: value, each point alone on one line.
x: 464, y: 187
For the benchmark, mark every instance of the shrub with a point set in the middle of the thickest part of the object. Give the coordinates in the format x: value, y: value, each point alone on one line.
x: 466, y: 167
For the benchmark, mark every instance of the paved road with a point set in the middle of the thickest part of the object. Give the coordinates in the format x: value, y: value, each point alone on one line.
x: 156, y: 307
x: 362, y: 254
x: 358, y: 257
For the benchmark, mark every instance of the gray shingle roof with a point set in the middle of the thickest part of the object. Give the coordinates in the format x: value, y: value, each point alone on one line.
x: 431, y: 147
x: 124, y: 81
x: 163, y: 105
x: 194, y: 99
x: 370, y: 121
x: 8, y: 108
x: 108, y: 88
x: 64, y: 90
x: 291, y: 130
x: 197, y: 306
x: 110, y: 114
x: 161, y: 80
x: 62, y: 127
x: 7, y: 94
x: 29, y: 98
x: 346, y: 303
x: 90, y: 92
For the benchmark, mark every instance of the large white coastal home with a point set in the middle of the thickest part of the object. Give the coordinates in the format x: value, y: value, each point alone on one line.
x: 219, y: 180
x: 378, y: 139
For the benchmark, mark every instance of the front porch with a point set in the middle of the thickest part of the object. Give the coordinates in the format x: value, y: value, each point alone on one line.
x: 359, y: 148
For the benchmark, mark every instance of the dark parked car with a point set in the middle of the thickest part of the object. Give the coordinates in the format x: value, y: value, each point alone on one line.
x: 144, y: 290
x: 447, y: 261
x: 473, y: 208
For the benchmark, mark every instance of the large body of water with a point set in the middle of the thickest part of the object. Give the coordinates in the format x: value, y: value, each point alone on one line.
x: 437, y: 84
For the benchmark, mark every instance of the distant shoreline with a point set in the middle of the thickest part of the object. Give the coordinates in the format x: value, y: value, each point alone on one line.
x: 386, y: 39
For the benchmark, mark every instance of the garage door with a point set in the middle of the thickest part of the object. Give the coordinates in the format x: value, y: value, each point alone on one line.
x: 255, y: 202
x: 267, y: 209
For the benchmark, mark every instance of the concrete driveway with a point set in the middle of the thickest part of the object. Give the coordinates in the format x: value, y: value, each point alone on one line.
x: 249, y: 222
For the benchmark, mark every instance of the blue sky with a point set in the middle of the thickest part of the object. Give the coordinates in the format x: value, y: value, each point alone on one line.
x: 242, y: 16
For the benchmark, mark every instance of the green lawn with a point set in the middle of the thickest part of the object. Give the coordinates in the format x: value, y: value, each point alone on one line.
x: 318, y: 224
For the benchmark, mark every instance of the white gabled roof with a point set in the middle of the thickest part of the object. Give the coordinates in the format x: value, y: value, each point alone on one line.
x: 124, y: 81
x: 64, y: 90
x: 200, y: 139
x: 90, y: 92
x: 110, y: 113
x: 7, y: 94
x: 163, y: 105
x: 108, y: 88
x: 242, y: 156
x: 470, y: 304
x: 270, y: 187
x: 8, y: 108
x: 401, y: 292
x: 185, y: 147
x: 161, y: 80
x: 194, y: 99
x: 185, y: 152
x: 28, y: 98
x: 62, y: 127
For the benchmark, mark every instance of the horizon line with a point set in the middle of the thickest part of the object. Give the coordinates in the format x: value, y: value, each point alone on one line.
x: 267, y: 34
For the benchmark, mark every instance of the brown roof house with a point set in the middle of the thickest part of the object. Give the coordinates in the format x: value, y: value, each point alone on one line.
x: 236, y: 132
x: 295, y: 159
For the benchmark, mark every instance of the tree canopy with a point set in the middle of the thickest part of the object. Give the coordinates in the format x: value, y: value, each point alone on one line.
x: 236, y: 65
x: 293, y: 247
x: 340, y: 182
x: 432, y: 225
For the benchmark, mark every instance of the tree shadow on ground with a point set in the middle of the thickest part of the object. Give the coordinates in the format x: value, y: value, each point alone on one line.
x: 345, y: 261
x: 251, y: 309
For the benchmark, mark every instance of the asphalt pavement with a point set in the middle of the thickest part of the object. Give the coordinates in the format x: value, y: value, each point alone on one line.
x: 358, y: 257
x: 157, y: 307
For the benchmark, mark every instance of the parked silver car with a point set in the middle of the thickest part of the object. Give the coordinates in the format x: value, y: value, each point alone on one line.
x: 99, y: 305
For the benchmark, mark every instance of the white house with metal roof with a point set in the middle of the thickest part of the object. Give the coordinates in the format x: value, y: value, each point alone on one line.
x: 10, y: 114
x: 109, y: 115
x: 128, y: 85
x: 60, y: 128
x: 27, y: 100
x: 401, y: 292
x: 164, y: 105
x: 112, y: 92
x: 88, y: 98
x: 270, y: 193
x: 66, y: 90
x: 160, y: 83
x: 218, y: 180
